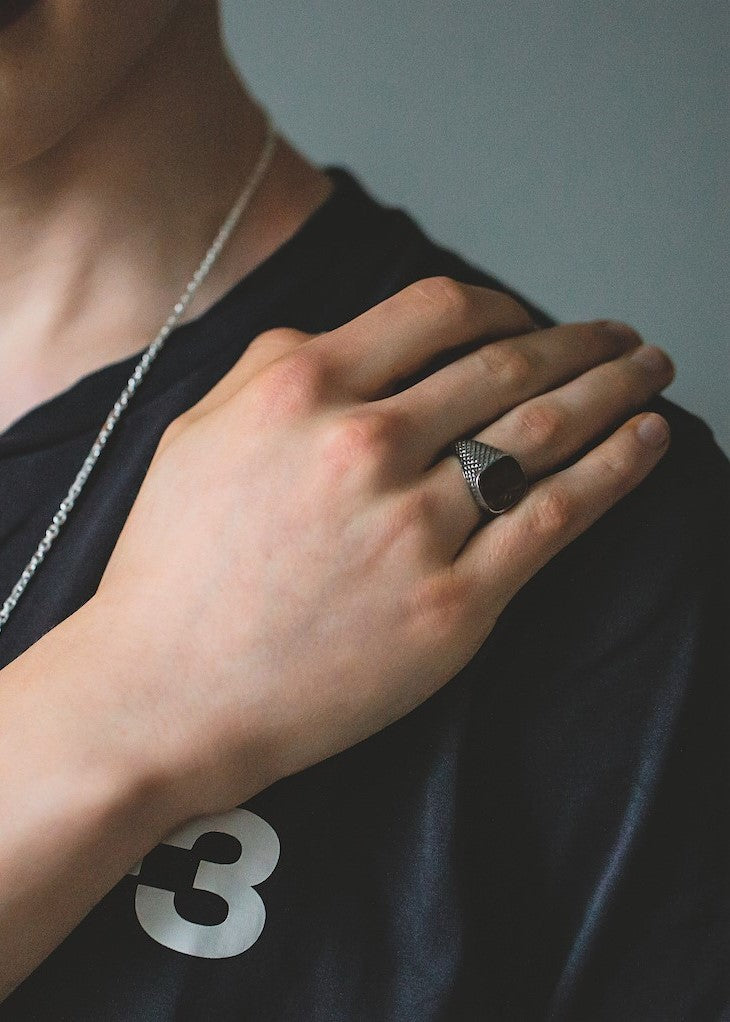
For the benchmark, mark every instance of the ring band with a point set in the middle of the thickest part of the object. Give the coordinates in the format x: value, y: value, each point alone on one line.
x: 496, y: 480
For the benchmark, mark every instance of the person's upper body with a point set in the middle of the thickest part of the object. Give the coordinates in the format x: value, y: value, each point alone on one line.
x: 542, y: 838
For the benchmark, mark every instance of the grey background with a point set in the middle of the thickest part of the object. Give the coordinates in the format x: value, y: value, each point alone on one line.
x: 577, y: 150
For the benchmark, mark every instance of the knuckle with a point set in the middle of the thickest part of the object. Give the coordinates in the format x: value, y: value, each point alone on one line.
x: 447, y: 298
x: 293, y: 385
x: 378, y: 431
x: 508, y: 366
x: 366, y: 438
x: 361, y: 437
x: 388, y: 430
x: 443, y: 296
x: 540, y: 422
x: 554, y: 513
x: 616, y: 465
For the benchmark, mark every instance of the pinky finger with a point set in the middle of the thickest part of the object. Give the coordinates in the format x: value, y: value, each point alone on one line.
x: 505, y: 554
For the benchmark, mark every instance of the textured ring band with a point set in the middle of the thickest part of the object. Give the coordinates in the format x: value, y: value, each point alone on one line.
x: 495, y: 479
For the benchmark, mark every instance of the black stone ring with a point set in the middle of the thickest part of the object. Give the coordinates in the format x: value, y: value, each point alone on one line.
x: 495, y: 479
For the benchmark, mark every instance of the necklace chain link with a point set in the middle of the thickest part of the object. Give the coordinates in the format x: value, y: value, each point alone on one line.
x: 140, y: 371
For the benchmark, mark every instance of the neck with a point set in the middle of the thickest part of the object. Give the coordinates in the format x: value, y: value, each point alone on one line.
x: 102, y: 231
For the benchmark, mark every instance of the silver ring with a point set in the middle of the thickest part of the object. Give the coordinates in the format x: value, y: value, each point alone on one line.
x: 495, y: 479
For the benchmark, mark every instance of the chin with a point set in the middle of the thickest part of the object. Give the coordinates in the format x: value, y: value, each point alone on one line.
x: 59, y: 59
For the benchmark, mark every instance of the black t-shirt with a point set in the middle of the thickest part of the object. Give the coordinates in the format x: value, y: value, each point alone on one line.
x: 545, y: 838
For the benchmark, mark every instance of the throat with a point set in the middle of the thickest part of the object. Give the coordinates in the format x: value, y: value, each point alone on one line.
x: 49, y: 341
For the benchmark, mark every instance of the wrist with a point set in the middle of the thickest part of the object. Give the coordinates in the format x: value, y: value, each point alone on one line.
x: 80, y: 808
x: 200, y: 741
x: 73, y: 728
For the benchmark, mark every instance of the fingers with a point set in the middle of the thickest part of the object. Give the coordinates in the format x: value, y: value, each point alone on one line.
x: 402, y: 334
x: 548, y: 430
x: 502, y: 556
x: 464, y: 396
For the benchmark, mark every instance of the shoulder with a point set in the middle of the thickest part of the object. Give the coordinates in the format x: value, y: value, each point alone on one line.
x: 694, y: 468
x: 375, y: 250
x: 666, y: 543
x: 388, y: 249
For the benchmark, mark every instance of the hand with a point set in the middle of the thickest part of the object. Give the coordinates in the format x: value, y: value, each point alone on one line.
x: 302, y: 564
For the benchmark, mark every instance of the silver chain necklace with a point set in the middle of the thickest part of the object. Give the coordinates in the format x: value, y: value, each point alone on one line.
x: 140, y: 371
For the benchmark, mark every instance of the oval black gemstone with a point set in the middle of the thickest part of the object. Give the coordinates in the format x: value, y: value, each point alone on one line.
x: 502, y: 483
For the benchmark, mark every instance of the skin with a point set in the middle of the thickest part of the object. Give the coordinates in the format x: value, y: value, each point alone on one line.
x: 201, y: 672
x: 125, y: 138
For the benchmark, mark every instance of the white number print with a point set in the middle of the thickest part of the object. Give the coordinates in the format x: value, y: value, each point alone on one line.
x: 232, y: 881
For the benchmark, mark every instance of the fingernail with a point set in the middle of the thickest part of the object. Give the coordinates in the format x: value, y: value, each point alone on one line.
x: 655, y: 361
x: 653, y: 431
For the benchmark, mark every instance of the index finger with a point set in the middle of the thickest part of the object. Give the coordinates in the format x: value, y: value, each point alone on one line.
x: 402, y: 334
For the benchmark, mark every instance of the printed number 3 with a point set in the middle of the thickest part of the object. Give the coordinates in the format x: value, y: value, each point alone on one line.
x: 232, y: 881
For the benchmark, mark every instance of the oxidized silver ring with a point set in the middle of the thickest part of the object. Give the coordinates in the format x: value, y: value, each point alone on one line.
x: 495, y: 479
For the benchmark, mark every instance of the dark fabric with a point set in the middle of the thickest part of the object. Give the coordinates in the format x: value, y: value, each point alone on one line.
x: 545, y: 838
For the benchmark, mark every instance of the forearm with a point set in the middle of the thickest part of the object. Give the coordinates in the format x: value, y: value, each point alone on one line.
x: 78, y: 807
